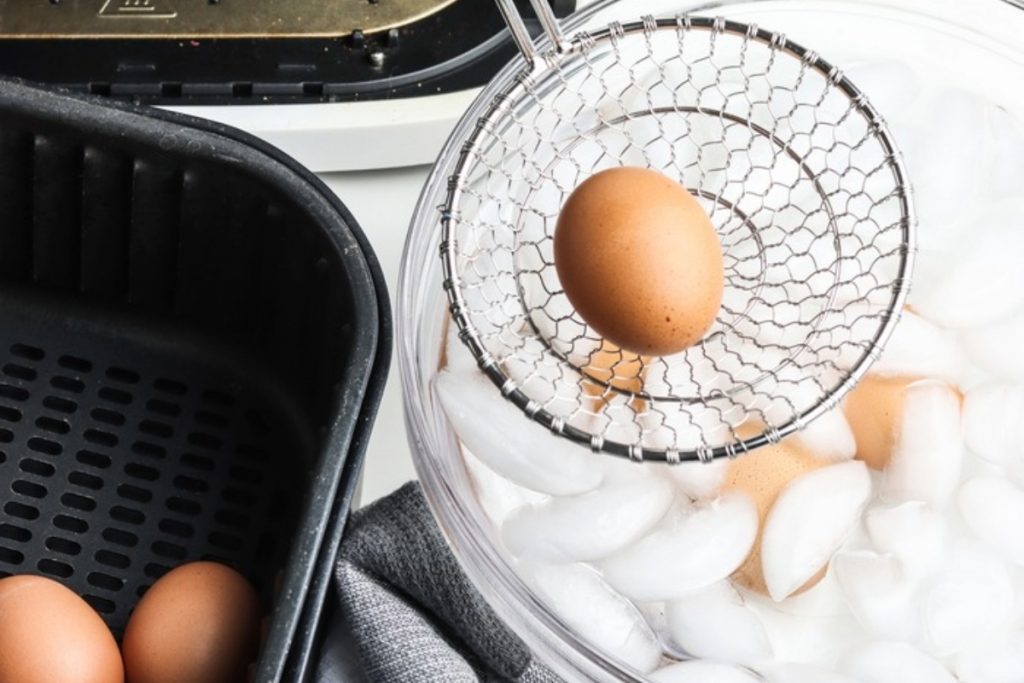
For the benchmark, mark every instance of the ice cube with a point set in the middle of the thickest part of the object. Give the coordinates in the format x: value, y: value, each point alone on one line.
x: 992, y: 425
x: 878, y: 593
x: 892, y: 662
x: 996, y: 347
x: 809, y: 521
x: 698, y: 671
x: 892, y: 87
x: 1017, y: 575
x: 691, y: 549
x: 912, y: 532
x: 921, y: 348
x: 618, y: 469
x: 806, y: 639
x: 654, y: 615
x: 999, y: 659
x: 498, y: 496
x: 823, y: 599
x: 829, y: 437
x: 700, y: 481
x: 577, y: 594
x: 993, y: 509
x: 946, y: 159
x: 1006, y: 156
x: 590, y: 525
x: 937, y: 256
x: 968, y: 601
x: 714, y: 624
x: 791, y: 672
x: 505, y: 439
x: 985, y: 282
x: 928, y: 452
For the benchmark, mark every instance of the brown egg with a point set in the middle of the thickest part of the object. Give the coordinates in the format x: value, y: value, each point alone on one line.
x: 874, y: 409
x: 200, y: 623
x: 50, y: 635
x: 762, y: 474
x: 640, y: 261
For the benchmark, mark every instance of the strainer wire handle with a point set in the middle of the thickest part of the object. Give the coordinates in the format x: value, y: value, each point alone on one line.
x: 521, y: 35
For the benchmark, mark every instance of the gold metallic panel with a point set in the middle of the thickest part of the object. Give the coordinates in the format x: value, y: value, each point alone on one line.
x: 206, y: 18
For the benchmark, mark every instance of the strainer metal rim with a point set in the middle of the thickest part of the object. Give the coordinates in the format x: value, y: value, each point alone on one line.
x: 518, y: 84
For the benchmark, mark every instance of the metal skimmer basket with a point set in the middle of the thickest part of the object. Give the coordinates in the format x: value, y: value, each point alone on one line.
x: 802, y: 182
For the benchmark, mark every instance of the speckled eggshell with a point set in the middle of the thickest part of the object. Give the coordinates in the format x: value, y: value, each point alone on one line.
x: 50, y: 635
x: 200, y: 623
x: 640, y: 261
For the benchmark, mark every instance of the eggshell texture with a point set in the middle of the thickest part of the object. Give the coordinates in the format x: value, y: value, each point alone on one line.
x: 874, y: 409
x: 763, y: 474
x: 50, y: 635
x: 640, y: 261
x: 200, y: 623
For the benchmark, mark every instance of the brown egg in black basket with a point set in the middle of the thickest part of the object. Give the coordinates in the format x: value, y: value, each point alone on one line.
x: 194, y: 339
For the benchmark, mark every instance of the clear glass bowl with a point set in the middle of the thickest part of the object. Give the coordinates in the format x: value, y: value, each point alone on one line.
x: 981, y: 49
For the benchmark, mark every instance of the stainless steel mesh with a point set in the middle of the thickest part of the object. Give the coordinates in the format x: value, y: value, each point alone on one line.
x: 799, y: 176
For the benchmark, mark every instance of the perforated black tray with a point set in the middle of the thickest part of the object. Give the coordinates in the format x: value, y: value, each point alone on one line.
x: 193, y: 341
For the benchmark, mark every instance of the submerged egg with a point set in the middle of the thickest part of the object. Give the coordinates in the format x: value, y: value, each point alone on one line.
x: 640, y: 261
x: 874, y: 409
x: 762, y: 474
x: 50, y: 635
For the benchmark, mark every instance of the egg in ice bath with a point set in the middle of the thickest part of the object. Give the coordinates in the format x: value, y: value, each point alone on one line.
x: 762, y: 475
x: 640, y: 261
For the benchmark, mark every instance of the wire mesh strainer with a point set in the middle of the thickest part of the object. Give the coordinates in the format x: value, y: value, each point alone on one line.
x: 802, y: 182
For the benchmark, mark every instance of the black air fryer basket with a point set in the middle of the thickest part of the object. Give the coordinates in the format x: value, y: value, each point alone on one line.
x: 194, y: 336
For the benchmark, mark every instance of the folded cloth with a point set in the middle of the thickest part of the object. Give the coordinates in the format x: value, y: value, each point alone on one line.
x: 408, y: 613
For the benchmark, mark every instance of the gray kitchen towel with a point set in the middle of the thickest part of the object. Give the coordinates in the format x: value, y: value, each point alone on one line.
x: 408, y: 613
